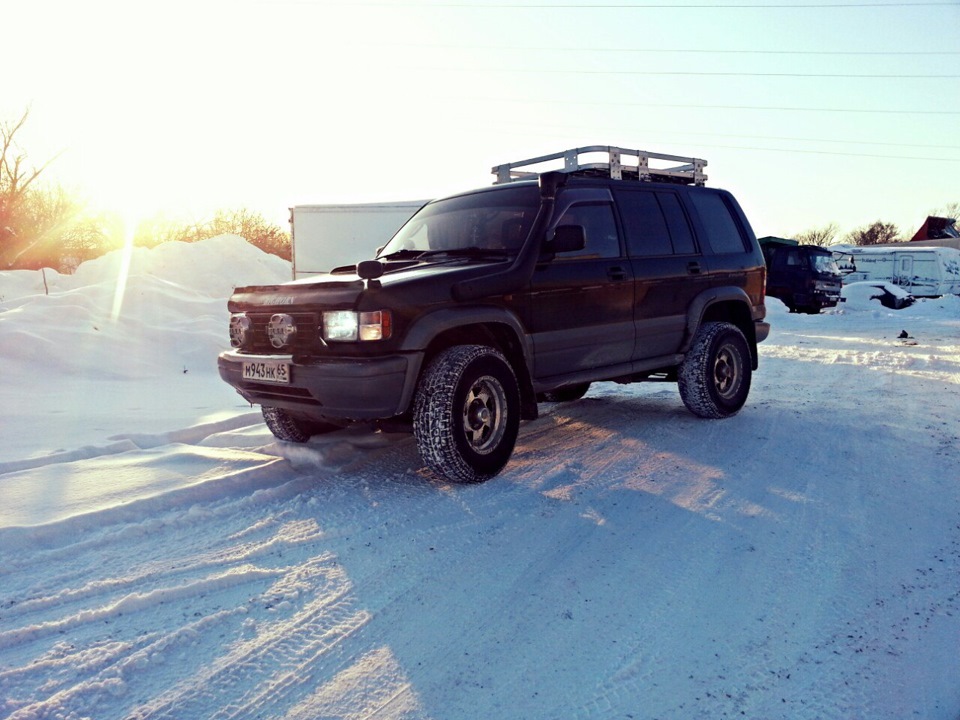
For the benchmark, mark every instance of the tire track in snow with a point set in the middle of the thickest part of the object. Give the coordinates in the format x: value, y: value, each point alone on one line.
x: 210, y: 535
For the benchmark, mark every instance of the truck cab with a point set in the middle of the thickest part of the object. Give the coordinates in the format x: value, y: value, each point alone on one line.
x: 804, y: 277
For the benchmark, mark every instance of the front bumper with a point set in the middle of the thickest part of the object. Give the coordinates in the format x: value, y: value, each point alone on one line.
x: 818, y: 298
x: 336, y: 388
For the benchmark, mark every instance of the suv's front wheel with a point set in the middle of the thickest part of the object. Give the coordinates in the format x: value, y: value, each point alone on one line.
x: 289, y: 428
x: 466, y: 415
x: 714, y: 377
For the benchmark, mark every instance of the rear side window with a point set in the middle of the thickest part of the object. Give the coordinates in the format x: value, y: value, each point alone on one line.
x: 722, y: 230
x: 655, y: 223
x: 643, y: 223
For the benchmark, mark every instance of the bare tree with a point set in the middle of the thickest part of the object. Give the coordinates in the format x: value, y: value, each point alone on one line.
x: 160, y: 229
x: 821, y: 236
x: 58, y: 231
x: 879, y: 233
x: 249, y: 225
x: 950, y: 210
x: 15, y: 177
x: 18, y: 234
x: 254, y: 228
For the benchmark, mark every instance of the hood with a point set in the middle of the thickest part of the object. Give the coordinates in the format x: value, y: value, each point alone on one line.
x: 426, y: 281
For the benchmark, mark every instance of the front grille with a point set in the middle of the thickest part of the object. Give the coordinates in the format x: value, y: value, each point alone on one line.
x: 304, y: 342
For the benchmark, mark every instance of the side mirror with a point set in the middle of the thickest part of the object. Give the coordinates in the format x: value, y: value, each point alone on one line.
x: 369, y: 269
x: 567, y: 238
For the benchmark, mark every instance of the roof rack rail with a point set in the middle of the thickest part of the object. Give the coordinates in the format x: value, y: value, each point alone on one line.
x: 689, y: 172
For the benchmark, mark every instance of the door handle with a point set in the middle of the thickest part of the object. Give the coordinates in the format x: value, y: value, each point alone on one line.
x: 617, y: 274
x: 693, y: 267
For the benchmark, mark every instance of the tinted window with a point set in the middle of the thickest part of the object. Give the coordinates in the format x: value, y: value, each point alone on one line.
x: 680, y: 232
x: 643, y: 223
x: 600, y: 228
x: 722, y: 230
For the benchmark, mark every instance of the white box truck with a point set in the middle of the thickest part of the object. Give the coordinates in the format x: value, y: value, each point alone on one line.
x: 328, y: 236
x: 922, y: 271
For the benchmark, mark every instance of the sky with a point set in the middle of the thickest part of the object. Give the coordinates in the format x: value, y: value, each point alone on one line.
x: 810, y: 112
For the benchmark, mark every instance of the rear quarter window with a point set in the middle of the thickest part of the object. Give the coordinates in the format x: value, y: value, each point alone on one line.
x: 723, y: 231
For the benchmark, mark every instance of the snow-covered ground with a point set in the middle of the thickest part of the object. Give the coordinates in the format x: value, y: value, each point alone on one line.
x: 162, y: 556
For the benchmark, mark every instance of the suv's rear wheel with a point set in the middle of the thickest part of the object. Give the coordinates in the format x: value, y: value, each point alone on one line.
x: 285, y: 426
x: 467, y: 413
x: 714, y: 378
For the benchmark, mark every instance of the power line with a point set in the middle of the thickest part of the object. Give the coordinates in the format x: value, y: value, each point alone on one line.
x: 781, y: 138
x: 698, y: 73
x: 772, y: 108
x: 648, y: 6
x: 567, y: 133
x: 580, y: 129
x: 835, y: 153
x: 671, y: 51
x: 568, y: 129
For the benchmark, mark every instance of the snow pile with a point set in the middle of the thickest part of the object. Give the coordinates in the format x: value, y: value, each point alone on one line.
x: 163, y: 307
x: 154, y: 321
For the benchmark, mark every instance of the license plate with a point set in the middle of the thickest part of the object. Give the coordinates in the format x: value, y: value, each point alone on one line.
x: 268, y: 371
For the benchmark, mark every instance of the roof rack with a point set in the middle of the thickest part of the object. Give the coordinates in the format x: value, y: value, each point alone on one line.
x: 689, y: 172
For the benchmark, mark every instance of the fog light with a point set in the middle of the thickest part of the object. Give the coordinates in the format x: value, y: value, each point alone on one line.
x: 281, y: 330
x: 240, y: 326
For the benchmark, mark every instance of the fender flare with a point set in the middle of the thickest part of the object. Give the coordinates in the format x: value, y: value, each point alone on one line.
x: 702, y: 302
x: 428, y: 326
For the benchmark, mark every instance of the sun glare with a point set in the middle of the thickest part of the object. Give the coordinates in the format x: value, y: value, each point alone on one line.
x: 126, y: 255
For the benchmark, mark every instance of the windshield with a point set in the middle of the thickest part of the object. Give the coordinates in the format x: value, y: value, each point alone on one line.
x: 491, y: 221
x: 824, y: 264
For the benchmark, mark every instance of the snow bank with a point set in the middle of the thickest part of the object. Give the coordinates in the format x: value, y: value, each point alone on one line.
x: 168, y: 311
x: 63, y: 353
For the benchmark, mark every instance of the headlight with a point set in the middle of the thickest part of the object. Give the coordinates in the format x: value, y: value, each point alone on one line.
x: 240, y: 326
x: 348, y: 326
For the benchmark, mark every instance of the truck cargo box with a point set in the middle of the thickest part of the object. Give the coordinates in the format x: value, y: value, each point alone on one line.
x: 329, y: 236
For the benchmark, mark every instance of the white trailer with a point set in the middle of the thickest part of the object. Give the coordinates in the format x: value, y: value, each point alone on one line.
x: 922, y: 271
x: 328, y: 236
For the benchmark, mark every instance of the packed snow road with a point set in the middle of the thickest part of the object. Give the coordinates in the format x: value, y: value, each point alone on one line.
x: 799, y: 560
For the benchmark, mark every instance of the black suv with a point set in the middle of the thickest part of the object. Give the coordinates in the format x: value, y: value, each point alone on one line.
x: 488, y: 302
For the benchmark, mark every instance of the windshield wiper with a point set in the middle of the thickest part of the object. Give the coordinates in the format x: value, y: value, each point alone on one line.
x: 402, y: 255
x: 469, y: 252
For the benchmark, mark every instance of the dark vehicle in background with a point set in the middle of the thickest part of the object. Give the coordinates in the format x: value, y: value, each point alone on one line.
x: 488, y: 302
x: 804, y: 277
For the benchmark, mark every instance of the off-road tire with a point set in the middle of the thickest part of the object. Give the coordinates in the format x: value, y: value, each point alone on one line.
x: 285, y: 426
x: 566, y: 394
x: 466, y: 414
x: 714, y: 377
